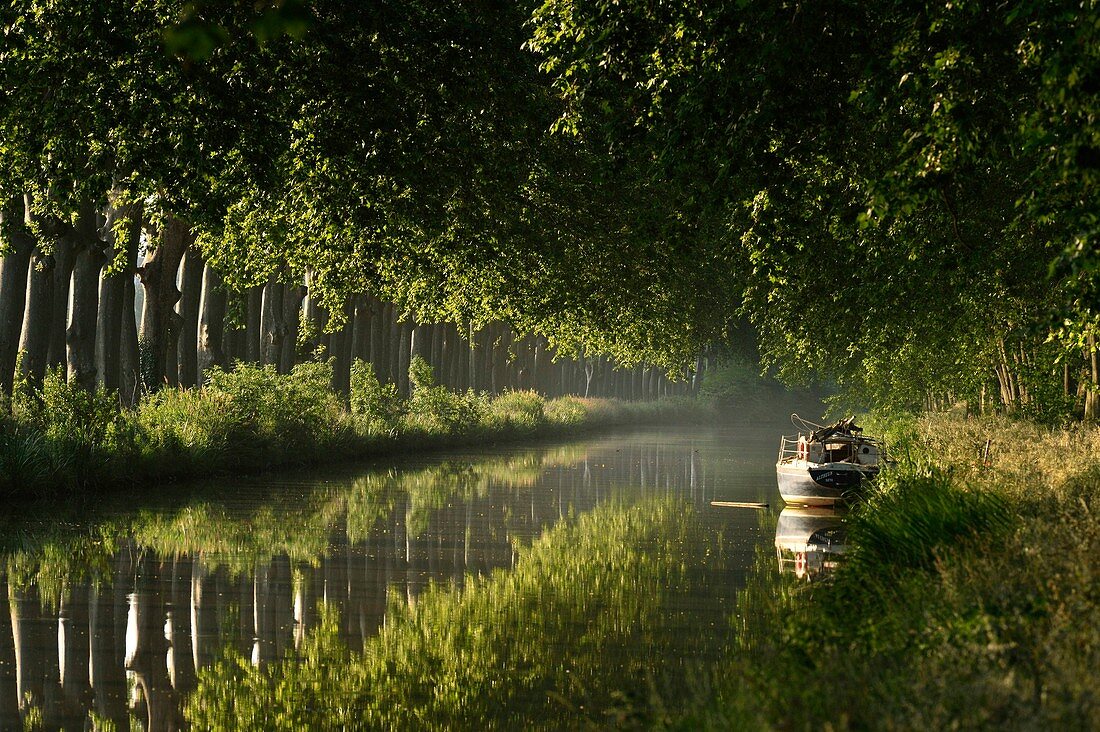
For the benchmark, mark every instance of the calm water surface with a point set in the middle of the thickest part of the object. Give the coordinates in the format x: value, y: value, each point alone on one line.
x: 120, y: 610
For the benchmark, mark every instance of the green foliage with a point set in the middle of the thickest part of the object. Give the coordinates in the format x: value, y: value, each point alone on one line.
x: 378, y: 406
x: 435, y: 409
x: 296, y: 412
x: 738, y: 384
x: 944, y: 204
x: 64, y: 433
x: 523, y: 410
x: 909, y: 520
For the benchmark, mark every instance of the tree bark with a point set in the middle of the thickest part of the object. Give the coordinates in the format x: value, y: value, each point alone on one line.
x: 361, y: 328
x: 34, y: 340
x: 436, y: 359
x: 109, y: 337
x: 112, y: 298
x: 129, y: 360
x: 404, y: 355
x: 253, y: 319
x: 80, y: 338
x: 315, y: 315
x: 1092, y: 394
x: 291, y: 320
x: 160, y: 324
x: 388, y: 357
x: 378, y: 337
x: 271, y: 339
x: 211, y: 330
x: 192, y: 270
x: 64, y: 257
x: 14, y: 270
x: 340, y: 345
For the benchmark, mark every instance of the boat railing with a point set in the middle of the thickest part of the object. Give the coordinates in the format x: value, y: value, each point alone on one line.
x: 788, y: 448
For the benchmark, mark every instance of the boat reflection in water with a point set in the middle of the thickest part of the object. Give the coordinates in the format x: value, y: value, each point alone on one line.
x: 810, y: 541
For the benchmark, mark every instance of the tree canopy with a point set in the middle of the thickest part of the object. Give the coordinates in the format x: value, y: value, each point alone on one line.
x: 896, y: 194
x: 906, y: 184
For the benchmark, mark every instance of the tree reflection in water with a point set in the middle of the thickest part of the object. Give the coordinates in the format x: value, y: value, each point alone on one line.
x: 442, y: 596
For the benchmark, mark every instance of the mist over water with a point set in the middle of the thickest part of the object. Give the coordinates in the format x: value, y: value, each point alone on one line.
x: 115, y: 613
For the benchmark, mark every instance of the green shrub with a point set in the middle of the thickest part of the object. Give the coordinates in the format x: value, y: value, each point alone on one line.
x: 436, y: 409
x: 189, y: 429
x: 80, y: 431
x: 294, y: 414
x: 376, y: 406
x: 519, y: 409
x: 25, y: 460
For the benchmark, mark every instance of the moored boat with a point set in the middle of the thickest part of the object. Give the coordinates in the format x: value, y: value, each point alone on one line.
x: 825, y: 465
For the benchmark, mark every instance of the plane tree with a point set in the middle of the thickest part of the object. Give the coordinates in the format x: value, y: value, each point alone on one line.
x: 909, y: 187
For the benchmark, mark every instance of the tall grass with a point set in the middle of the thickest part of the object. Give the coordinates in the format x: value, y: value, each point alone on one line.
x: 61, y: 438
x: 968, y: 599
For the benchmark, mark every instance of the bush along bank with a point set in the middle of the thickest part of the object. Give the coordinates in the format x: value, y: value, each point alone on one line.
x: 61, y: 437
x: 969, y: 598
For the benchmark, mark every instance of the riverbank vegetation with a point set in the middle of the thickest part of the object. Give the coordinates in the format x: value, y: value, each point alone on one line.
x: 968, y: 597
x: 62, y: 436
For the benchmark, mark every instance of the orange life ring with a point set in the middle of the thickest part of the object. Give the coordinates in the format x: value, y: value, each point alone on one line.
x: 803, y: 448
x: 800, y: 564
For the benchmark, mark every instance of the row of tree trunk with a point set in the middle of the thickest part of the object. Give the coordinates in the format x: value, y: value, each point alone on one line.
x: 134, y: 328
x: 1080, y: 378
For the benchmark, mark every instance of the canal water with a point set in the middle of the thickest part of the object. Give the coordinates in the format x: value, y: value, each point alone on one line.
x: 556, y: 585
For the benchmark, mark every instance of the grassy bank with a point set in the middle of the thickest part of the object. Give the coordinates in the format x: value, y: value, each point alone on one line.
x: 61, y: 438
x: 970, y: 597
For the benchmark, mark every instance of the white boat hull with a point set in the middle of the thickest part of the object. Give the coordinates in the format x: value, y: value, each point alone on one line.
x: 819, y: 484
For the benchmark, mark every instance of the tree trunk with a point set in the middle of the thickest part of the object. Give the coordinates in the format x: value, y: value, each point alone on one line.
x: 129, y: 360
x: 420, y: 342
x: 192, y: 271
x: 112, y: 298
x: 271, y: 339
x: 253, y: 319
x: 212, y: 304
x: 291, y: 318
x: 14, y: 269
x: 340, y: 345
x: 80, y: 338
x: 129, y: 382
x: 1092, y: 394
x: 378, y: 337
x: 109, y: 337
x: 315, y: 315
x: 404, y: 355
x: 34, y: 341
x: 436, y: 359
x: 64, y: 257
x: 393, y: 345
x: 234, y: 331
x: 361, y: 328
x: 160, y: 324
x: 487, y: 362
